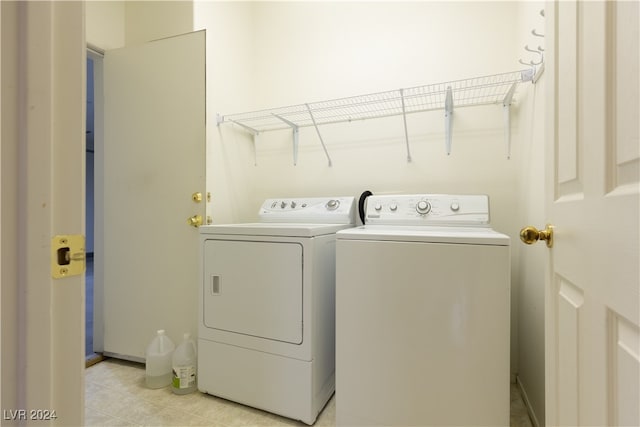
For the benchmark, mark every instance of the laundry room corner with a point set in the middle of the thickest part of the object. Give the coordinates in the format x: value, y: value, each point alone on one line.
x: 230, y: 78
x: 291, y: 59
x: 529, y: 263
x: 263, y: 55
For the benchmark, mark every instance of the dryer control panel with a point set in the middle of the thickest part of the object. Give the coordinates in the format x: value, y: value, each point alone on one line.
x: 428, y: 210
x: 315, y: 210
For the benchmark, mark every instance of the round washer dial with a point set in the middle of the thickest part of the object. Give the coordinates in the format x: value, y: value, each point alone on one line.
x: 423, y: 207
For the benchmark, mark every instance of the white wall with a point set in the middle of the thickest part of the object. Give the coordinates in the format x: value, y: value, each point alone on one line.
x: 115, y: 23
x: 146, y: 21
x: 306, y: 52
x: 104, y: 24
x: 532, y: 260
x: 231, y: 37
x: 312, y: 51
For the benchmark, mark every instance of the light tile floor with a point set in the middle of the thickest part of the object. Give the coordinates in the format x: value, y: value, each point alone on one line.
x: 115, y: 395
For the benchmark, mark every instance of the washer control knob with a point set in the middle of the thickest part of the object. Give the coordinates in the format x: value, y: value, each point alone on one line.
x: 378, y: 207
x: 293, y: 205
x: 423, y: 207
x: 455, y: 206
x: 393, y: 207
x: 283, y: 205
x: 333, y: 204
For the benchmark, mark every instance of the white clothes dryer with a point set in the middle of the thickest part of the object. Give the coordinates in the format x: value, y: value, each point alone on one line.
x: 266, y: 335
x: 423, y: 315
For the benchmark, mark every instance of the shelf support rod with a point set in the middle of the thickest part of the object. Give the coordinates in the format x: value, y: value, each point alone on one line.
x: 506, y: 112
x: 245, y: 127
x: 249, y: 129
x: 296, y: 132
x: 448, y: 119
x: 406, y: 132
x: 315, y: 125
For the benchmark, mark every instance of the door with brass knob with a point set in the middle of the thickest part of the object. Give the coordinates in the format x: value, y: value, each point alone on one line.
x: 195, y: 221
x: 530, y: 235
x: 592, y: 194
x: 150, y: 129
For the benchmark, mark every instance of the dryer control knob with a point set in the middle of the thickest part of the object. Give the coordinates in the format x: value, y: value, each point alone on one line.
x: 423, y: 207
x: 333, y: 204
x: 378, y: 207
x: 393, y: 207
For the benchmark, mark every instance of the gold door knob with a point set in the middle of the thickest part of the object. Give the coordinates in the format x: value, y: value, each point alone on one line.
x: 195, y: 221
x: 530, y: 235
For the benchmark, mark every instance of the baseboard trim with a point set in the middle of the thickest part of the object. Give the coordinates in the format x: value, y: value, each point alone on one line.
x: 525, y: 399
x: 93, y: 359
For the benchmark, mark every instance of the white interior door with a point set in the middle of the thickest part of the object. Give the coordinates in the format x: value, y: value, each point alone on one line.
x: 593, y: 156
x: 154, y: 160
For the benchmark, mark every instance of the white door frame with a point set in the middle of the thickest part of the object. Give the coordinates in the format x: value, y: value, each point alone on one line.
x: 98, y: 205
x: 43, y: 89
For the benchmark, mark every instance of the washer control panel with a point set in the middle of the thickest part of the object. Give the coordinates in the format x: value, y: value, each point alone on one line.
x: 321, y: 210
x: 428, y: 209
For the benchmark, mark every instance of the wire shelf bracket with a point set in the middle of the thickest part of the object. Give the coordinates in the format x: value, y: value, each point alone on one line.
x: 448, y: 119
x: 506, y: 112
x: 497, y: 89
x: 252, y: 131
x: 315, y: 125
x: 296, y: 137
x: 404, y: 119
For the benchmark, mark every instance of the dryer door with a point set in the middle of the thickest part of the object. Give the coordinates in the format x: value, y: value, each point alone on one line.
x: 254, y: 288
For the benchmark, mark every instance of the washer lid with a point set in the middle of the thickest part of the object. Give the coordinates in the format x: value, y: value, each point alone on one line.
x: 425, y: 234
x: 273, y: 229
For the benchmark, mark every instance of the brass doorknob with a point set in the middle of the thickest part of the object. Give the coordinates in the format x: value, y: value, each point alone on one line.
x: 195, y: 221
x: 530, y: 235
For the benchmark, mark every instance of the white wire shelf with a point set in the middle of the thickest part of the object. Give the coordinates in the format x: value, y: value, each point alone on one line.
x: 493, y: 89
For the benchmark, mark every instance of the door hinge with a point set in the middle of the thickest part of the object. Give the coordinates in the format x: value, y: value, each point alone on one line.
x: 67, y: 256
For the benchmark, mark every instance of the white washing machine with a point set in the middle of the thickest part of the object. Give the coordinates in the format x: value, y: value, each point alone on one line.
x: 423, y: 315
x: 266, y: 335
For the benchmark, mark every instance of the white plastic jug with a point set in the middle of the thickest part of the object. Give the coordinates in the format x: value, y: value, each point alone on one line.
x: 184, y: 366
x: 158, y: 363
